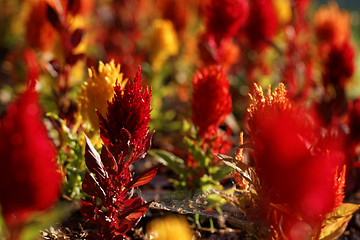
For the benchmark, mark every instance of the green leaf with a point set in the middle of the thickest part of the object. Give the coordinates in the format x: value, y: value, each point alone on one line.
x: 220, y: 174
x: 169, y: 160
x: 197, y: 153
x: 336, y: 222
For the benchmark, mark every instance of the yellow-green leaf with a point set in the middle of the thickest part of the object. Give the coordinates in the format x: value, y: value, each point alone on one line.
x: 337, y: 221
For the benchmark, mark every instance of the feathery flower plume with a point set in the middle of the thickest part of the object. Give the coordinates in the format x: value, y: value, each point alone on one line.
x: 163, y: 43
x: 298, y: 166
x: 211, y: 99
x: 332, y: 26
x: 262, y: 23
x: 224, y: 18
x: 97, y: 91
x: 128, y: 116
x: 29, y: 178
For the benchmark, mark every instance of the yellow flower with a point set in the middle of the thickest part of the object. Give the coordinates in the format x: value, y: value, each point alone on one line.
x: 163, y: 43
x: 332, y: 25
x: 169, y: 228
x: 97, y: 90
x: 283, y: 11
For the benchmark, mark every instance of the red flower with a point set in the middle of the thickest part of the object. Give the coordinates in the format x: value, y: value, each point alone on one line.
x: 339, y: 65
x: 262, y: 23
x: 225, y: 17
x: 211, y: 99
x: 297, y: 165
x: 111, y: 187
x: 128, y: 116
x: 29, y: 180
x: 300, y: 6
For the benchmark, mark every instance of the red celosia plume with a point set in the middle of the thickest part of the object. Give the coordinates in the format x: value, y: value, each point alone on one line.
x: 262, y: 23
x: 296, y: 162
x: 29, y: 179
x: 224, y: 18
x: 125, y: 135
x: 211, y: 99
x: 128, y: 115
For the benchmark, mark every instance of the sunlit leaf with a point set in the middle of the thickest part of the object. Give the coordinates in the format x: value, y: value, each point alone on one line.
x: 143, y: 179
x: 239, y: 166
x: 93, y: 160
x: 109, y: 161
x: 92, y: 187
x: 337, y: 221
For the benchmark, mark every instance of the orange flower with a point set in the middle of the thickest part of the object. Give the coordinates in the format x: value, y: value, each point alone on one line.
x: 332, y: 26
x: 298, y: 163
x: 39, y: 32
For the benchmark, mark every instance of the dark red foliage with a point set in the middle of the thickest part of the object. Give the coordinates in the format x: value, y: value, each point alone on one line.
x: 29, y: 177
x: 211, y: 99
x: 128, y: 117
x: 262, y: 23
x: 354, y: 120
x: 339, y: 65
x: 111, y: 187
x: 225, y: 17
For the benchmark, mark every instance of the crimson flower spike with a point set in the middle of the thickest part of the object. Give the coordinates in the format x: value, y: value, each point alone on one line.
x: 211, y: 99
x: 299, y: 163
x: 126, y: 123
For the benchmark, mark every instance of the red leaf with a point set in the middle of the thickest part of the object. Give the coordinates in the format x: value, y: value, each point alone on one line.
x: 87, y: 209
x: 137, y: 212
x: 132, y: 203
x: 143, y: 178
x: 93, y: 160
x: 129, y: 218
x: 53, y: 17
x: 76, y: 37
x: 72, y: 59
x: 109, y: 161
x: 92, y: 187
